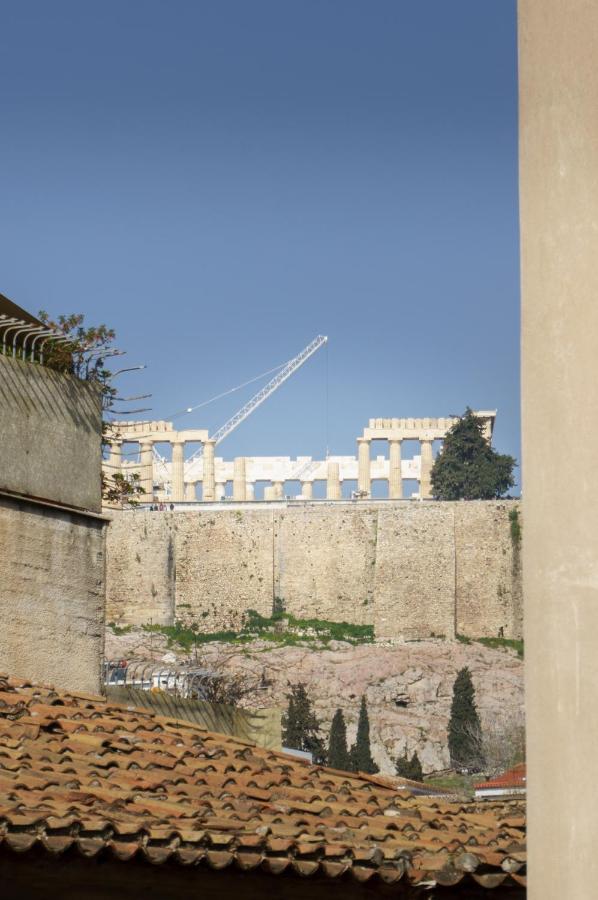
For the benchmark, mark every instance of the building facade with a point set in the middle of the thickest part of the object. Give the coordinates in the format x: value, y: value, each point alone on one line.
x: 52, y: 533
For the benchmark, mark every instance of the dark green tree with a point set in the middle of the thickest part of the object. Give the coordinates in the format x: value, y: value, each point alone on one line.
x: 300, y: 726
x: 338, y: 755
x: 465, y: 732
x: 468, y: 468
x: 361, y: 754
x: 409, y: 768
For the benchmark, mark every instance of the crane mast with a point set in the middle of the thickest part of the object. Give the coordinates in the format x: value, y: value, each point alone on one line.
x: 287, y: 370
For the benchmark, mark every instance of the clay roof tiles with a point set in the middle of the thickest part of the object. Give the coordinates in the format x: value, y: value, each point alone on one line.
x: 84, y: 772
x: 514, y: 778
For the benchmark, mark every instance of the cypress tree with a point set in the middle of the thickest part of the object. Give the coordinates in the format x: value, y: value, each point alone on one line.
x: 465, y: 732
x: 409, y: 768
x: 300, y: 726
x: 417, y: 773
x: 403, y: 766
x: 468, y: 467
x: 338, y: 755
x: 361, y: 754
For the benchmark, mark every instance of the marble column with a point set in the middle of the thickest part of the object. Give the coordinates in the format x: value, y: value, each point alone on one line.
x: 250, y: 490
x: 269, y: 492
x: 190, y: 494
x: 333, y: 481
x: 307, y: 489
x: 363, y: 471
x: 146, y: 465
x: 178, y: 472
x: 278, y: 490
x: 220, y: 490
x: 395, y: 480
x: 209, y: 474
x: 239, y: 479
x: 427, y: 457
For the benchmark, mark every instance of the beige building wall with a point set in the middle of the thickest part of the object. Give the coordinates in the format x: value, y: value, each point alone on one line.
x: 52, y: 540
x: 411, y: 570
x: 558, y: 62
x: 51, y: 595
x: 50, y: 435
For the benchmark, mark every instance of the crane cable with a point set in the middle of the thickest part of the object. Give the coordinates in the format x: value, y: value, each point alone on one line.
x: 190, y: 409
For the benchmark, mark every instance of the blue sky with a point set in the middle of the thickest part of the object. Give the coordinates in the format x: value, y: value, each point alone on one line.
x: 220, y: 182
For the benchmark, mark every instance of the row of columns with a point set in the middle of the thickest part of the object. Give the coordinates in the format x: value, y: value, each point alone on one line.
x: 180, y: 490
x: 395, y: 480
x: 243, y: 490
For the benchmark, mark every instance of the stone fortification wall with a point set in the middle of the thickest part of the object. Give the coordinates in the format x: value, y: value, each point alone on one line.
x: 412, y: 570
x: 51, y: 594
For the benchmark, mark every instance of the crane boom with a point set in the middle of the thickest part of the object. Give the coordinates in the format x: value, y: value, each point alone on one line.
x: 287, y: 370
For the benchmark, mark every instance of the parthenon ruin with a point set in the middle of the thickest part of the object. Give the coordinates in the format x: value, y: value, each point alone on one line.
x: 135, y: 447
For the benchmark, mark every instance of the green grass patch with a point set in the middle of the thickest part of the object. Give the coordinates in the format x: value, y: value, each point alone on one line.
x: 187, y: 637
x: 453, y: 783
x: 502, y: 644
x: 119, y: 629
x: 280, y: 628
x: 495, y: 643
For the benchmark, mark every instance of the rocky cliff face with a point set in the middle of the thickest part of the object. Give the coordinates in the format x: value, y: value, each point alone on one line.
x: 408, y: 686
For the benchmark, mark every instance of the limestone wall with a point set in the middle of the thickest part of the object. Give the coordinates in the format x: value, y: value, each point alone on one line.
x: 412, y: 570
x: 51, y: 595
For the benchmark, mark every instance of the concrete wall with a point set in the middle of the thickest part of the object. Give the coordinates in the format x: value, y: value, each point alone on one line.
x: 51, y: 595
x: 558, y: 53
x: 409, y: 569
x: 50, y: 435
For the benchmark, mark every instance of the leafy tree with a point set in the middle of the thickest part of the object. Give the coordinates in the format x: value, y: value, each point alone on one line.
x: 468, y: 468
x: 361, y: 754
x: 118, y: 489
x: 300, y: 726
x: 465, y: 732
x: 84, y: 355
x: 338, y: 755
x: 410, y: 768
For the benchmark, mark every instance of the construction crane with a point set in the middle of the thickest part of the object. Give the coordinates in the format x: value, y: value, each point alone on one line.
x: 287, y: 370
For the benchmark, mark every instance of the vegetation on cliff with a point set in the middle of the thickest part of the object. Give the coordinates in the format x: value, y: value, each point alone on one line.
x: 280, y: 628
x: 300, y: 726
x: 409, y: 768
x: 465, y: 732
x: 338, y: 753
x: 361, y: 754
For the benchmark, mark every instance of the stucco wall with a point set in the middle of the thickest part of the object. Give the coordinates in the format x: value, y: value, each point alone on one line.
x: 50, y: 435
x: 410, y: 569
x: 51, y: 595
x: 558, y: 50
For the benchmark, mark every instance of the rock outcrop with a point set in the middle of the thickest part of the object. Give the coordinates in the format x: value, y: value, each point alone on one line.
x: 408, y: 686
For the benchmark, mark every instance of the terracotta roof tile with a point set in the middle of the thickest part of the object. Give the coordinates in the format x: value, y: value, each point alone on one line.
x: 77, y: 771
x: 514, y: 778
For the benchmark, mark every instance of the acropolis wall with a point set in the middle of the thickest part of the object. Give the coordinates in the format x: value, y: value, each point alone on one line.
x: 410, y: 569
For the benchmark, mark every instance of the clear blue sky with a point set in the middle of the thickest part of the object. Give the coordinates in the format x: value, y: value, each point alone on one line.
x: 222, y: 181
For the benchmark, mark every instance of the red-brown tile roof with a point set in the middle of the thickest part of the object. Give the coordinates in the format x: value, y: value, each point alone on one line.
x: 513, y: 778
x: 78, y: 771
